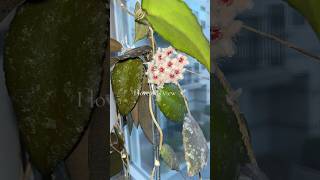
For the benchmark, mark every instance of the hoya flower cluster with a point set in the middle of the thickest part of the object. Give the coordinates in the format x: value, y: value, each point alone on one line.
x: 167, y: 66
x: 224, y: 26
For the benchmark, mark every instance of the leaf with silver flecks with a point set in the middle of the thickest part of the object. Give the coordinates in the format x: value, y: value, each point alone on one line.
x: 126, y: 81
x: 53, y: 62
x: 169, y: 157
x: 195, y: 146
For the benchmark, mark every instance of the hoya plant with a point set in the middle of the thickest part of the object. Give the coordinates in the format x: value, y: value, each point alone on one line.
x: 145, y: 79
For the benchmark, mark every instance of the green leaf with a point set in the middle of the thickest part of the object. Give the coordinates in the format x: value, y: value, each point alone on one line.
x: 171, y: 102
x: 126, y: 81
x: 141, y: 28
x: 169, y: 157
x: 53, y: 61
x: 174, y: 21
x: 310, y: 10
x: 229, y: 152
x: 195, y: 146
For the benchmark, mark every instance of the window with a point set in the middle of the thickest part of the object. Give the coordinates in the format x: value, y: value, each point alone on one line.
x: 197, y: 92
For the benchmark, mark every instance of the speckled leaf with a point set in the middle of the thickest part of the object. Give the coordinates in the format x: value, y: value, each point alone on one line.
x: 134, y: 53
x: 126, y: 82
x: 171, y: 102
x: 195, y: 146
x: 141, y: 29
x: 229, y: 153
x: 174, y: 21
x: 169, y: 157
x: 141, y: 111
x: 53, y: 59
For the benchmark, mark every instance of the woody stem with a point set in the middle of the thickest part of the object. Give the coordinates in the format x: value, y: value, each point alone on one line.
x: 283, y: 42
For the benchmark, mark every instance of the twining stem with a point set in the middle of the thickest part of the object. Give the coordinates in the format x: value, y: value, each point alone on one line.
x: 155, y: 122
x: 156, y: 161
x: 152, y: 41
x: 123, y: 152
x: 236, y: 110
x: 283, y: 42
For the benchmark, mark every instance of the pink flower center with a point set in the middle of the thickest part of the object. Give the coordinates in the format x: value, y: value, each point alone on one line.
x: 171, y: 76
x: 177, y: 71
x: 160, y: 57
x: 216, y: 33
x: 169, y: 52
x: 170, y: 64
x: 161, y: 69
x: 155, y: 77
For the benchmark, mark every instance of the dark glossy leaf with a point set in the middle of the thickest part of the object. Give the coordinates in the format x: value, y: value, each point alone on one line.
x: 171, y: 102
x: 229, y: 152
x: 126, y: 81
x: 195, y: 146
x: 53, y: 60
x: 169, y: 157
x: 116, y: 167
x: 141, y: 111
x: 135, y: 114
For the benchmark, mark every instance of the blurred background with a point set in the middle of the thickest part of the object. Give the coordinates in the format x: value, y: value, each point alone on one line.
x: 281, y: 91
